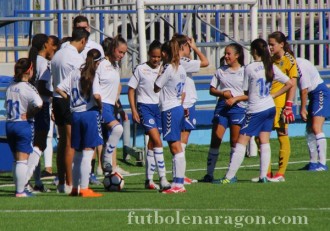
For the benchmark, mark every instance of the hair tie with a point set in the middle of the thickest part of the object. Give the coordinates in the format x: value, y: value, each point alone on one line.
x: 98, y: 59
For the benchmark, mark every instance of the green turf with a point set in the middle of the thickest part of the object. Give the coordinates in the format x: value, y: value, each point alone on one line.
x: 303, y: 199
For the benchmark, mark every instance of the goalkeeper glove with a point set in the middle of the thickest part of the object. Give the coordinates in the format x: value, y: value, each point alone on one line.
x: 287, y: 114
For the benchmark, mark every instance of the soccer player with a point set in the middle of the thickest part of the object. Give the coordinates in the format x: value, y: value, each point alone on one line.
x: 227, y: 84
x: 284, y: 59
x: 313, y: 88
x: 258, y: 78
x: 22, y: 103
x: 189, y: 96
x: 86, y: 124
x: 170, y: 84
x: 107, y: 86
x: 63, y: 62
x: 147, y: 113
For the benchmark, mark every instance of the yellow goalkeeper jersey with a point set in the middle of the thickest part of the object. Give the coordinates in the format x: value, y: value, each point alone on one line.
x: 288, y: 66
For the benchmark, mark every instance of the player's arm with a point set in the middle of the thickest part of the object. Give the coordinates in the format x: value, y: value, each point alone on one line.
x: 61, y: 93
x: 287, y: 86
x: 303, y: 98
x: 132, y: 103
x: 226, y: 94
x: 98, y: 101
x: 231, y: 101
x: 201, y: 56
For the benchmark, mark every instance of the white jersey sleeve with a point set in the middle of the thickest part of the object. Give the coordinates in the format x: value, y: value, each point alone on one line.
x: 308, y: 76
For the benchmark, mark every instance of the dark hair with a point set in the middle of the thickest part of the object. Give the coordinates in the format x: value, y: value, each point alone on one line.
x: 79, y: 33
x: 180, y: 38
x: 171, y: 48
x: 55, y: 40
x: 280, y: 38
x: 38, y: 44
x: 106, y: 44
x: 154, y: 45
x: 88, y: 72
x: 79, y: 19
x: 109, y: 48
x: 239, y: 50
x: 65, y: 39
x: 260, y: 47
x: 21, y: 67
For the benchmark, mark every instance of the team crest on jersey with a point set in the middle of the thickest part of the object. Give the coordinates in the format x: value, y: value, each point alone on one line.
x: 151, y: 121
x: 185, y: 59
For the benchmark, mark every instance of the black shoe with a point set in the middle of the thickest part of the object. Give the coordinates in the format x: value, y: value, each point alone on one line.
x: 41, y: 189
x: 206, y: 179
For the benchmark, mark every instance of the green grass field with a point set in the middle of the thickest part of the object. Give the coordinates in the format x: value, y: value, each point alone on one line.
x: 300, y: 203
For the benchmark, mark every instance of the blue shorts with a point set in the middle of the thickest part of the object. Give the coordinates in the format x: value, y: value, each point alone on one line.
x: 227, y: 116
x: 319, y: 101
x: 108, y: 113
x: 190, y: 120
x: 172, y: 123
x: 150, y: 116
x: 254, y: 123
x: 86, y: 130
x: 20, y: 136
x: 42, y: 118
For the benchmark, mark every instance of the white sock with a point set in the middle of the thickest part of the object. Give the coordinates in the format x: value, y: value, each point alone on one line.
x: 236, y: 160
x: 112, y: 142
x: 179, y: 169
x: 160, y: 163
x: 265, y: 153
x: 183, y: 145
x: 150, y: 165
x: 33, y: 161
x: 48, y: 152
x: 77, y: 159
x: 85, y: 168
x: 322, y: 148
x: 20, y: 174
x: 212, y: 160
x: 311, y: 142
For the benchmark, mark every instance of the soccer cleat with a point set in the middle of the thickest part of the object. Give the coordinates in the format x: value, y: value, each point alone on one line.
x: 149, y: 184
x: 120, y: 170
x: 94, y: 180
x: 56, y: 181
x: 206, y: 179
x: 189, y: 180
x: 263, y: 180
x: 175, y: 189
x: 310, y: 167
x: 225, y: 181
x: 256, y: 179
x: 277, y: 178
x: 107, y: 168
x: 28, y: 188
x: 322, y: 167
x: 74, y: 192
x: 45, y: 173
x: 41, y: 189
x: 89, y: 193
x: 24, y: 194
x: 164, y: 184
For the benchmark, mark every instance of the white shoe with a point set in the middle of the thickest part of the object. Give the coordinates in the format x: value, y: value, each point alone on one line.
x: 164, y: 184
x: 278, y: 178
x: 120, y: 170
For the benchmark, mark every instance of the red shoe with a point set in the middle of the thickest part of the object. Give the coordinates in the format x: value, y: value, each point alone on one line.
x: 189, y: 180
x: 175, y: 189
x: 277, y: 178
x: 89, y: 193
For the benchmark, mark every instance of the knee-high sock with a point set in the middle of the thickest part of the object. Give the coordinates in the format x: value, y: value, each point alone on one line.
x: 285, y: 151
x: 322, y: 148
x: 20, y: 174
x: 236, y: 160
x: 77, y: 159
x: 160, y: 162
x: 33, y: 161
x: 265, y: 153
x: 85, y: 168
x: 312, y: 147
x: 150, y: 165
x: 37, y: 175
x: 179, y: 168
x: 212, y: 159
x: 111, y: 144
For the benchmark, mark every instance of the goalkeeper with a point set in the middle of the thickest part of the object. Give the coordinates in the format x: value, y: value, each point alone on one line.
x: 284, y: 59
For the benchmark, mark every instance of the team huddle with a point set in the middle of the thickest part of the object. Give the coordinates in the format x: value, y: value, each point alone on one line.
x: 78, y: 86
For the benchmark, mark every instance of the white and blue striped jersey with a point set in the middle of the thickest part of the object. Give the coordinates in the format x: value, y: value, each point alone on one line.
x: 171, y: 82
x: 71, y: 85
x: 227, y: 79
x: 43, y: 73
x: 143, y: 80
x: 259, y: 90
x: 64, y: 61
x: 190, y: 66
x: 309, y: 76
x: 20, y: 98
x: 106, y: 82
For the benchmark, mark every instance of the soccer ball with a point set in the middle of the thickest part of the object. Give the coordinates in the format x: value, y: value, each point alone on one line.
x: 113, y: 182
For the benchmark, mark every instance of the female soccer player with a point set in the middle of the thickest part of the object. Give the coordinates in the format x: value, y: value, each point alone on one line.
x: 107, y: 86
x: 86, y: 124
x: 258, y: 78
x: 189, y: 96
x: 146, y: 112
x: 283, y: 59
x: 227, y: 84
x: 170, y: 85
x: 313, y: 88
x: 22, y: 103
